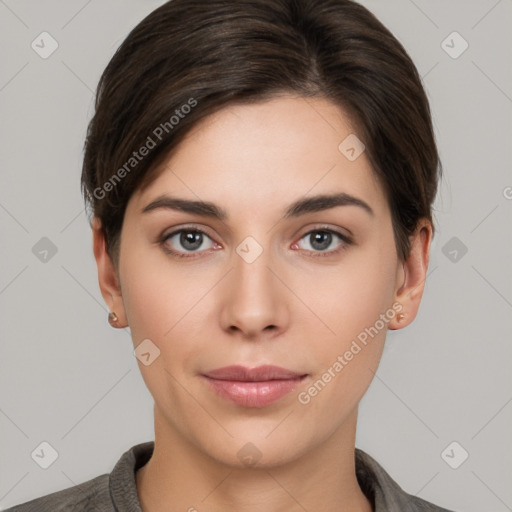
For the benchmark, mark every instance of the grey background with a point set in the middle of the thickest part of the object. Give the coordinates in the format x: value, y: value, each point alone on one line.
x: 69, y: 379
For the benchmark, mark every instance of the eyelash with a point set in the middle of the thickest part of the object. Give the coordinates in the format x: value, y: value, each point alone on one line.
x: 345, y: 239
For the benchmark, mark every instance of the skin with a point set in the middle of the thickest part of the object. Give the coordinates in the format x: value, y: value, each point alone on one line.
x: 287, y: 308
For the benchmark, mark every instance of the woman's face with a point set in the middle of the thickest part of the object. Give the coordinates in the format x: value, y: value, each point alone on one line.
x: 310, y: 289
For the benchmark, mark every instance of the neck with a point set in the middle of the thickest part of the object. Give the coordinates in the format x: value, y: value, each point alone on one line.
x: 180, y: 477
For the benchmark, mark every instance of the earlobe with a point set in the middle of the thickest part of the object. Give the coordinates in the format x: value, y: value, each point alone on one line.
x: 412, y: 274
x: 107, y: 278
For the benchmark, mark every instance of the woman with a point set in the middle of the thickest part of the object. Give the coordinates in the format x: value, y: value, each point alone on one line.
x: 260, y: 176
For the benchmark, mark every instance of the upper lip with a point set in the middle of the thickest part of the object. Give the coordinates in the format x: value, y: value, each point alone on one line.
x: 258, y: 374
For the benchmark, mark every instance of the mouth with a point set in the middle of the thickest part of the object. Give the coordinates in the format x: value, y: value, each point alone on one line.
x: 253, y: 387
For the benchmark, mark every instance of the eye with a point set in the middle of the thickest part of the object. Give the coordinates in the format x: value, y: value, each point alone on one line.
x: 185, y: 240
x: 321, y: 239
x: 188, y: 242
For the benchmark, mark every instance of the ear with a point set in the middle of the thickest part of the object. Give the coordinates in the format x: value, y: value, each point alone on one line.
x: 411, y: 275
x: 107, y: 276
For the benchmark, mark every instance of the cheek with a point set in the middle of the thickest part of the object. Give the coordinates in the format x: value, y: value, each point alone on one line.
x: 154, y: 291
x: 166, y: 303
x: 345, y: 363
x: 351, y: 297
x: 159, y: 304
x: 355, y: 302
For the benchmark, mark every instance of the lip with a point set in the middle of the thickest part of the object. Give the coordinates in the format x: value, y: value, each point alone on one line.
x: 253, y: 387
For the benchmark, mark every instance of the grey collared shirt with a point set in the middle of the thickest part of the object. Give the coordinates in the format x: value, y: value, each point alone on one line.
x: 117, y: 491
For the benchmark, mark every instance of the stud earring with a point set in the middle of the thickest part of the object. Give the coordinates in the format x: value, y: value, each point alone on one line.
x: 400, y: 317
x: 112, y: 319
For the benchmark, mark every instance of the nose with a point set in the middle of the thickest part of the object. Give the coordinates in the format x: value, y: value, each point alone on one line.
x: 254, y: 299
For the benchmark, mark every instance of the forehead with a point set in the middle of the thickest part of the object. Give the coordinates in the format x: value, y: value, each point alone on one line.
x: 252, y: 156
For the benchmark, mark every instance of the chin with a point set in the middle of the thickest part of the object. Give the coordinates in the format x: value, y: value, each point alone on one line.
x: 253, y: 447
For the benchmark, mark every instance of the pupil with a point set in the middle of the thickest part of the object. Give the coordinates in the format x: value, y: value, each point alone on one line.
x: 190, y: 240
x: 318, y: 238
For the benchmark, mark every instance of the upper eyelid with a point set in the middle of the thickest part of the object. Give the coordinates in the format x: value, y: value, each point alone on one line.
x: 173, y: 231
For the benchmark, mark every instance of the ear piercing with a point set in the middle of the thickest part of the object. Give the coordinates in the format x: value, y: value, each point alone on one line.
x: 400, y: 317
x: 112, y: 319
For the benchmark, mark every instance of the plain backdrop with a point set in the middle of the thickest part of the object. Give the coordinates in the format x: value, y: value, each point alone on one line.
x: 68, y: 379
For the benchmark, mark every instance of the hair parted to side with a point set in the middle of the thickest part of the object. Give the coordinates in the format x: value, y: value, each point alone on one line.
x: 190, y: 58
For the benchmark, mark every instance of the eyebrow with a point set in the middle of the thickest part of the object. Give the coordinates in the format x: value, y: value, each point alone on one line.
x: 301, y: 207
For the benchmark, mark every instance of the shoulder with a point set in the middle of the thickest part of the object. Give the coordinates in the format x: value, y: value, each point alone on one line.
x: 385, y: 493
x: 109, y: 492
x: 91, y: 495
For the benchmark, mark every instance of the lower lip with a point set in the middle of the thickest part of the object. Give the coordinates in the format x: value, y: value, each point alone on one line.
x: 254, y: 394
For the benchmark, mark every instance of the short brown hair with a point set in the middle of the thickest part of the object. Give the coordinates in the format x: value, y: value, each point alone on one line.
x: 209, y: 54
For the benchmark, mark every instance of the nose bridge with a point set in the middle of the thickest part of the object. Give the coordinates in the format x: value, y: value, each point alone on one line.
x: 252, y: 263
x: 254, y: 300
